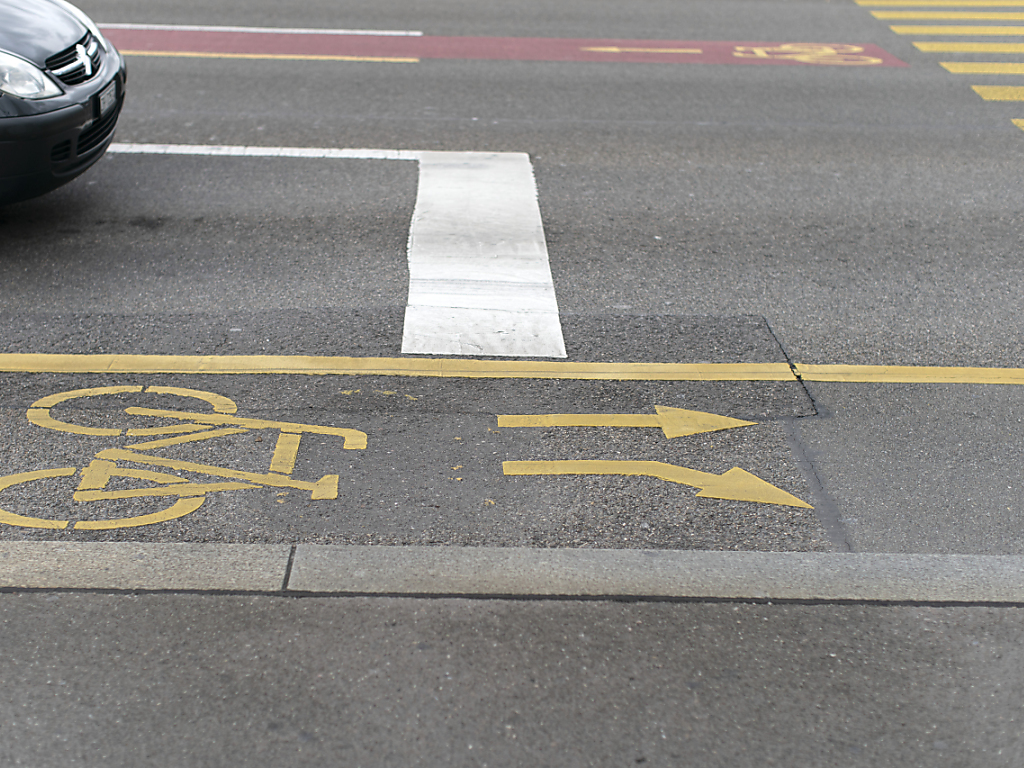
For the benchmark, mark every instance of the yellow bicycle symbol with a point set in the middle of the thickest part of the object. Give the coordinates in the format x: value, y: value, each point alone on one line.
x: 809, y: 53
x: 186, y: 427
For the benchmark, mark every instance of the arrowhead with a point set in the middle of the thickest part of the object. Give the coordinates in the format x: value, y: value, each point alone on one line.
x: 678, y: 422
x: 739, y: 485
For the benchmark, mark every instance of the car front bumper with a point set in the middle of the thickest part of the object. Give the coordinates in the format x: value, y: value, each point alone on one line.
x: 39, y: 153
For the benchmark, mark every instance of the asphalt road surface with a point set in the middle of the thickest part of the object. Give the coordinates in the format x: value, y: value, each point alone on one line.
x: 398, y: 280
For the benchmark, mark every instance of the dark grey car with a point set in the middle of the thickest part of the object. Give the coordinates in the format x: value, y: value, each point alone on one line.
x: 62, y: 86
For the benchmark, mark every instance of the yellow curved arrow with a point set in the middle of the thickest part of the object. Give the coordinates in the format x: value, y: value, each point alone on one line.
x: 735, y: 484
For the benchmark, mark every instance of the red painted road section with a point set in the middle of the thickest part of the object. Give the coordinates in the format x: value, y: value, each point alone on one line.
x: 502, y: 48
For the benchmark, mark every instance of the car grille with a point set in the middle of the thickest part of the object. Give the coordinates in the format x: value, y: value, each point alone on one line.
x: 70, y: 67
x: 98, y: 132
x: 61, y: 152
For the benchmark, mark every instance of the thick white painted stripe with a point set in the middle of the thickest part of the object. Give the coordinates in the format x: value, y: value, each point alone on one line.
x: 265, y: 30
x: 214, y: 150
x: 479, y: 278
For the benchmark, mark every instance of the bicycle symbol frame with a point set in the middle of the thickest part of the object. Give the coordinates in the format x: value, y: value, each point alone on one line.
x: 189, y: 427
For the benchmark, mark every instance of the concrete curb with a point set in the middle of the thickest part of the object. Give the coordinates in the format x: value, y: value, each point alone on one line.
x: 513, y: 572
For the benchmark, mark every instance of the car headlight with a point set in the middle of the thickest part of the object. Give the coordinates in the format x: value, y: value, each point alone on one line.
x: 25, y: 80
x: 86, y: 22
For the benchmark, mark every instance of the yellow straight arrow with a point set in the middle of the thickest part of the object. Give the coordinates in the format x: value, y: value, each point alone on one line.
x: 674, y: 422
x: 735, y: 484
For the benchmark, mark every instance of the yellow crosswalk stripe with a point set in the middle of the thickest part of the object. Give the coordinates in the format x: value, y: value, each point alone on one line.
x: 941, y: 29
x: 941, y: 3
x: 943, y: 47
x: 1000, y: 92
x: 949, y: 15
x: 982, y: 68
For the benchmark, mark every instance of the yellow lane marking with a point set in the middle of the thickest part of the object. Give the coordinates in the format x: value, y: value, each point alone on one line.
x: 941, y: 3
x: 396, y: 366
x: 1000, y: 92
x: 735, y: 484
x: 921, y: 29
x: 949, y: 15
x: 275, y: 56
x: 457, y: 368
x: 285, y: 453
x: 897, y: 374
x: 982, y: 68
x: 943, y: 47
x: 1019, y: 124
x: 613, y: 49
x: 674, y: 422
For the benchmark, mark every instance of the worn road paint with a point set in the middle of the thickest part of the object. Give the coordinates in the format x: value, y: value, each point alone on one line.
x: 674, y: 422
x: 982, y: 67
x: 736, y: 484
x: 1000, y: 92
x: 213, y: 40
x: 479, y: 278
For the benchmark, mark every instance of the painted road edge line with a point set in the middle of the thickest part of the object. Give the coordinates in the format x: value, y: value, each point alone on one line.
x: 265, y: 30
x: 392, y: 366
x: 512, y: 572
x: 908, y: 374
x: 499, y: 369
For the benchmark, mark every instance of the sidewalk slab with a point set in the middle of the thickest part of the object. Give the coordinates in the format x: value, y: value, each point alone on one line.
x: 125, y: 565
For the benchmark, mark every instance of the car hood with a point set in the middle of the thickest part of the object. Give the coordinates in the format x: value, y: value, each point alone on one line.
x: 37, y: 29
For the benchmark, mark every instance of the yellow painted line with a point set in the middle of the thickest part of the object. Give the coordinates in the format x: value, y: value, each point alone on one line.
x: 941, y: 3
x: 614, y: 49
x: 923, y: 29
x: 897, y: 374
x: 950, y: 15
x: 1019, y: 124
x: 472, y: 369
x: 939, y: 46
x: 982, y: 67
x: 1000, y: 92
x: 274, y: 56
x: 392, y: 366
